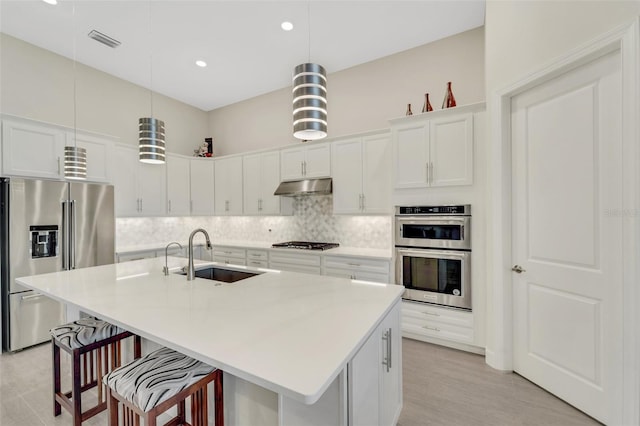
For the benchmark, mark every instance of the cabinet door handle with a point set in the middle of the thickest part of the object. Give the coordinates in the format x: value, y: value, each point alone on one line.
x: 353, y: 264
x: 58, y: 165
x: 140, y: 204
x: 386, y: 361
x: 302, y: 168
x: 191, y: 206
x: 431, y: 328
x: 362, y: 202
x: 427, y: 173
x: 305, y: 167
x: 226, y: 205
x: 431, y: 173
x: 169, y: 206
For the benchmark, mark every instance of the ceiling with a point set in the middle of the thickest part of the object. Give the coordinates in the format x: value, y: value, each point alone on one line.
x: 247, y: 52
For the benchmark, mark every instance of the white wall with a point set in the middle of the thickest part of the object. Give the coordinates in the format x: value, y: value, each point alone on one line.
x: 522, y: 37
x: 361, y: 98
x: 38, y: 84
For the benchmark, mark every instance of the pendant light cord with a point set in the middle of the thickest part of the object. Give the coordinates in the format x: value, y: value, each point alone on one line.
x: 150, y: 60
x: 75, y: 108
x: 309, y: 28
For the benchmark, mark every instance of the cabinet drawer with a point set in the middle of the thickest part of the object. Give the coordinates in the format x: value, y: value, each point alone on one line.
x: 357, y: 275
x: 230, y: 260
x: 426, y: 312
x: 126, y: 257
x: 438, y: 330
x: 259, y: 255
x: 357, y: 264
x: 302, y: 259
x: 223, y: 251
x: 257, y: 263
x: 294, y: 267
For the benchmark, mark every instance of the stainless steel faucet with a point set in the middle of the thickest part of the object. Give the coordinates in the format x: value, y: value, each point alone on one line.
x: 166, y: 265
x: 191, y: 272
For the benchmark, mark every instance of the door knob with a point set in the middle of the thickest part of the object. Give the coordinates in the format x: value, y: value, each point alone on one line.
x: 518, y: 269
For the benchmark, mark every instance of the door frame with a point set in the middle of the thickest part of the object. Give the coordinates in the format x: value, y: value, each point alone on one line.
x: 499, y: 352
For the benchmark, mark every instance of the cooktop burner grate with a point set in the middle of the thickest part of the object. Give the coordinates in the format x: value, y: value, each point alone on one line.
x: 306, y: 245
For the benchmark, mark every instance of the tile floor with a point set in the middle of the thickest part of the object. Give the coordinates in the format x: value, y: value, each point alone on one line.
x: 451, y: 388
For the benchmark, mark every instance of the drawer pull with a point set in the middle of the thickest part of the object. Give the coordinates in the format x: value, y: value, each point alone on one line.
x: 353, y: 264
x: 431, y: 313
x: 255, y: 263
x: 431, y: 328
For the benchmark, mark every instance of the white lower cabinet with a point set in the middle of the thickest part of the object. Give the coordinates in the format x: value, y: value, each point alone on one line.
x: 229, y: 254
x: 423, y: 321
x: 356, y: 268
x: 375, y: 376
x: 258, y: 258
x: 296, y: 262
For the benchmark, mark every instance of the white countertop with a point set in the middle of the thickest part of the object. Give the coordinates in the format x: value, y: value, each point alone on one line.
x: 291, y: 333
x: 386, y: 254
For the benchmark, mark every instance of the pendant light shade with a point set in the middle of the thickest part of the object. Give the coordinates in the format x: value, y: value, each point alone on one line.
x: 151, y: 140
x: 75, y: 162
x: 309, y: 102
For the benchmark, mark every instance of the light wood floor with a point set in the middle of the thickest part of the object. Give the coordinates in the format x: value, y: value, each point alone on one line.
x: 442, y: 386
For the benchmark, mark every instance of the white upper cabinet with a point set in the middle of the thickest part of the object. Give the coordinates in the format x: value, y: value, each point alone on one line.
x: 202, y: 177
x: 311, y: 161
x: 261, y: 176
x: 34, y: 149
x: 435, y: 148
x: 228, y: 186
x: 178, y: 186
x: 140, y: 189
x: 99, y: 154
x: 362, y: 175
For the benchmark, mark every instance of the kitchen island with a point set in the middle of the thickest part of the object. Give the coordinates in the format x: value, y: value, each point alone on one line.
x: 295, y: 348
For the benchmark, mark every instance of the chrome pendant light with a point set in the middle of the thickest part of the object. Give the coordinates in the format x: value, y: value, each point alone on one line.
x: 75, y: 158
x: 309, y: 98
x: 151, y: 142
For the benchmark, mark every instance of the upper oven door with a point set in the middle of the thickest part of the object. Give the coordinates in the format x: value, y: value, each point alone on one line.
x: 433, y: 232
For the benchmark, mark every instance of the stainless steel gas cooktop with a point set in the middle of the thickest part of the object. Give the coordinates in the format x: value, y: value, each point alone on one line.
x: 306, y: 245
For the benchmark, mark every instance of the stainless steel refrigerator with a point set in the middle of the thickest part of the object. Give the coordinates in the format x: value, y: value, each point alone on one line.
x: 48, y: 226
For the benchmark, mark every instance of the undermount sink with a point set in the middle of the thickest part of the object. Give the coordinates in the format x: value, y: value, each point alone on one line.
x: 222, y: 274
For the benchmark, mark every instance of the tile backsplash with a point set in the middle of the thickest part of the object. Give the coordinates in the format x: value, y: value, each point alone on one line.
x: 312, y: 220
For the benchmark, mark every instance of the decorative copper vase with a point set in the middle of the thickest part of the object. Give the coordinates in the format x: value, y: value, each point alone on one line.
x: 427, y: 105
x: 409, y: 110
x: 449, y: 100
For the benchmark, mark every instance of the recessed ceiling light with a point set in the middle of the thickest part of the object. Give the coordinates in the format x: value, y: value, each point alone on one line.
x: 286, y: 25
x: 51, y: 1
x: 201, y: 63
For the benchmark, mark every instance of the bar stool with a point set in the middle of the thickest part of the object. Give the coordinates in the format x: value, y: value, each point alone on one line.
x: 94, y: 347
x: 149, y: 386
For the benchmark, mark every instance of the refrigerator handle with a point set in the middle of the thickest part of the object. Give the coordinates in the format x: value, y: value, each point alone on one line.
x: 65, y: 235
x: 72, y: 234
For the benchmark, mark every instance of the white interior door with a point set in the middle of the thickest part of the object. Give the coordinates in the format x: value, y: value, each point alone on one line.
x: 567, y: 181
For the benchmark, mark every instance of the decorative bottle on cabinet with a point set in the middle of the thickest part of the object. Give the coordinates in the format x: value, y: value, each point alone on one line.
x: 449, y: 100
x: 408, y: 110
x: 427, y: 105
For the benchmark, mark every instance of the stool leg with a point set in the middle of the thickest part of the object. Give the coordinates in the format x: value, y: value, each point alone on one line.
x: 218, y: 398
x: 75, y: 389
x: 137, y: 347
x: 57, y: 408
x: 182, y: 412
x: 112, y: 408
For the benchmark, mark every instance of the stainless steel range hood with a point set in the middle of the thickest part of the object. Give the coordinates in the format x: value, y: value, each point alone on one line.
x: 304, y: 187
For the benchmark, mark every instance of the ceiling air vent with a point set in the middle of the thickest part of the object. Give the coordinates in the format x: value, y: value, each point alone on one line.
x: 104, y: 39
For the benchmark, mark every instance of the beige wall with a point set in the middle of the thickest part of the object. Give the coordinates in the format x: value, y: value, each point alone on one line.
x: 361, y: 98
x: 38, y: 84
x: 521, y: 37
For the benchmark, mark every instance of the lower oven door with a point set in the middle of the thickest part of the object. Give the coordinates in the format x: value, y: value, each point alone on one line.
x: 435, y: 276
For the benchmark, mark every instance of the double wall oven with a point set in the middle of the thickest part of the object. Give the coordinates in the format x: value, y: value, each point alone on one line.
x: 433, y: 254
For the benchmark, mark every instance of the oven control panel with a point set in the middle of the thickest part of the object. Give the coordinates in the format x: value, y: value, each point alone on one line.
x: 463, y: 209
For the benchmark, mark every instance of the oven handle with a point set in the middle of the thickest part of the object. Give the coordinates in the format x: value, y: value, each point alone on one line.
x: 439, y: 254
x: 432, y: 220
